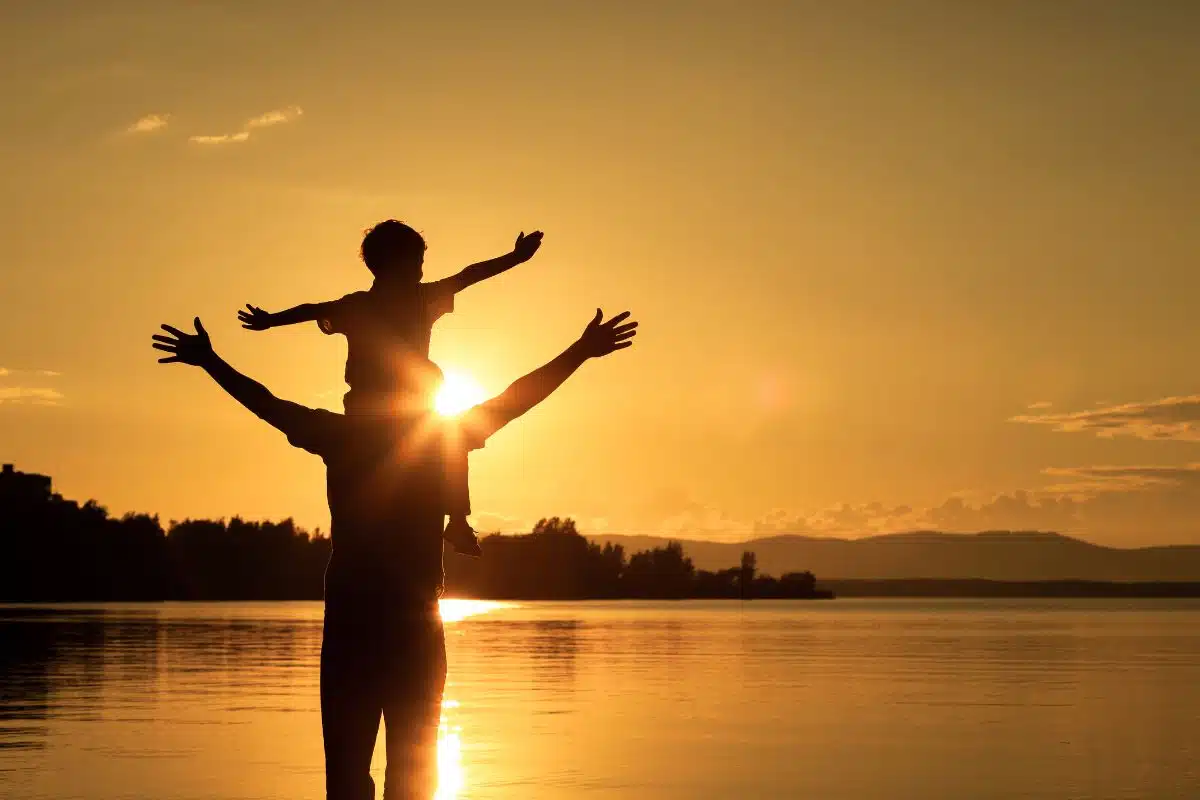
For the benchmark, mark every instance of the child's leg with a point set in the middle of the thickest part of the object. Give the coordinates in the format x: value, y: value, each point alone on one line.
x: 458, y: 506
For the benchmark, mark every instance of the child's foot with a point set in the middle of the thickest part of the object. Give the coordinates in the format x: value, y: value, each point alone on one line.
x: 464, y: 541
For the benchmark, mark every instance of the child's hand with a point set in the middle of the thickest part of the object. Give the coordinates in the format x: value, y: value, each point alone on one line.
x: 254, y: 318
x: 526, y: 246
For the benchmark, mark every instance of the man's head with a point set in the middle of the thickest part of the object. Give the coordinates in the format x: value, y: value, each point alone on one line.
x: 394, y: 251
x: 420, y: 381
x: 416, y: 384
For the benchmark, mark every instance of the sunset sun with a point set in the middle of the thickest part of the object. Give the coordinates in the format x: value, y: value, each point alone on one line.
x: 458, y: 393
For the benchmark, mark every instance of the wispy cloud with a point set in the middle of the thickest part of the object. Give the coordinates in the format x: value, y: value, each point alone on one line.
x: 149, y: 123
x: 276, y: 117
x: 41, y: 373
x: 33, y: 395
x: 1175, y: 418
x: 224, y: 138
x: 1039, y: 405
x: 1083, y: 482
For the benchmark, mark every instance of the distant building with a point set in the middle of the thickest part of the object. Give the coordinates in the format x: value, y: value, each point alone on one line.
x: 23, y: 488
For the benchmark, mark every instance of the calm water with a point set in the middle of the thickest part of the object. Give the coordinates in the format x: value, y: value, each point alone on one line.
x: 850, y: 699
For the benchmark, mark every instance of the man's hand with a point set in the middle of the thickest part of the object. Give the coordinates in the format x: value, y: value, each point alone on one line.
x: 601, y: 338
x: 254, y: 318
x: 185, y: 348
x: 526, y: 246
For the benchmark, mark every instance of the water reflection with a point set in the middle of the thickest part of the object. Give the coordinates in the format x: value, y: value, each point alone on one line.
x: 564, y: 700
x: 456, y: 610
x: 452, y: 778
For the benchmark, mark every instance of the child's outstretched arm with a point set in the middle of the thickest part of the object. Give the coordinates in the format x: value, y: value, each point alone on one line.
x: 523, y: 250
x: 255, y: 319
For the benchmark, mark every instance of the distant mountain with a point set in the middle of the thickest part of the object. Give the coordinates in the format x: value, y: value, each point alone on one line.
x: 992, y: 555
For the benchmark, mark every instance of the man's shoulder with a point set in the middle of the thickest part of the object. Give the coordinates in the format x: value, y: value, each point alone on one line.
x: 317, y: 430
x: 357, y: 299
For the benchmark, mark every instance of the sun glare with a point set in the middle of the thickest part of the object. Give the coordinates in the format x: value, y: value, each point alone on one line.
x: 454, y: 609
x: 458, y: 393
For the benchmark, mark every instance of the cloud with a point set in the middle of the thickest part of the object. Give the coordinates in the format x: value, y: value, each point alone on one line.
x: 276, y: 117
x: 485, y: 522
x: 1091, y: 482
x: 41, y: 373
x: 845, y: 519
x: 224, y: 138
x: 149, y: 123
x: 1039, y: 404
x: 1123, y: 505
x: 1019, y: 510
x: 32, y: 395
x: 1174, y: 418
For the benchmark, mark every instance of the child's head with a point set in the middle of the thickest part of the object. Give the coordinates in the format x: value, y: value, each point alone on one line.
x: 394, y: 251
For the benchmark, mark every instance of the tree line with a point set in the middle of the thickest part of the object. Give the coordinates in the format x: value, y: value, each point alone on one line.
x: 60, y: 551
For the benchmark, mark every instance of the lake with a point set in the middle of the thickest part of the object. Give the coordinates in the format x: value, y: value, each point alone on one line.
x: 842, y: 700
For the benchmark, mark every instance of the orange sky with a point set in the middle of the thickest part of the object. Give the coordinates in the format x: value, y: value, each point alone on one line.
x: 861, y: 239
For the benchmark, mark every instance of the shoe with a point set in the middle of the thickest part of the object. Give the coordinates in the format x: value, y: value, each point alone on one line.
x: 463, y: 539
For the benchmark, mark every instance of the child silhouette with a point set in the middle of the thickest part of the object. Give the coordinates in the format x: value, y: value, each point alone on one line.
x: 388, y: 328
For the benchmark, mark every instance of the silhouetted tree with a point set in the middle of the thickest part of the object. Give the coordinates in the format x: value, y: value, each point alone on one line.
x: 664, y: 572
x: 746, y: 576
x: 58, y: 550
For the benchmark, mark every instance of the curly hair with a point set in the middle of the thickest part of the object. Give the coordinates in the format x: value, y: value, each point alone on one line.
x: 388, y: 242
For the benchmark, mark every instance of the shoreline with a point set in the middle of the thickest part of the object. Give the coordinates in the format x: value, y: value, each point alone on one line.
x: 850, y: 588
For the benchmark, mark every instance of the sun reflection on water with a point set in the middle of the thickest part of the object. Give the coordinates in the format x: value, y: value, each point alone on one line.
x: 452, y: 778
x: 455, y: 609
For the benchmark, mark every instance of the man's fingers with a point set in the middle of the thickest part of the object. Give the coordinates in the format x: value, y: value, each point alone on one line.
x: 170, y: 360
x: 628, y: 326
x: 617, y: 319
x: 158, y: 337
x: 596, y: 319
x: 620, y: 337
x: 166, y: 348
x: 175, y: 331
x: 199, y: 327
x: 622, y: 345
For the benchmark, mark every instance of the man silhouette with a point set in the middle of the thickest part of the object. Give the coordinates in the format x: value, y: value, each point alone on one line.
x: 383, y: 651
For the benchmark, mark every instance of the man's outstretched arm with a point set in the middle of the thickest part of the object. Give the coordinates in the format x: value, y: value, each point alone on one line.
x: 197, y: 350
x: 598, y: 339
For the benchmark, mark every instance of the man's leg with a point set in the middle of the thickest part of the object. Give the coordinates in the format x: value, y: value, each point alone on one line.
x: 413, y: 706
x: 351, y: 704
